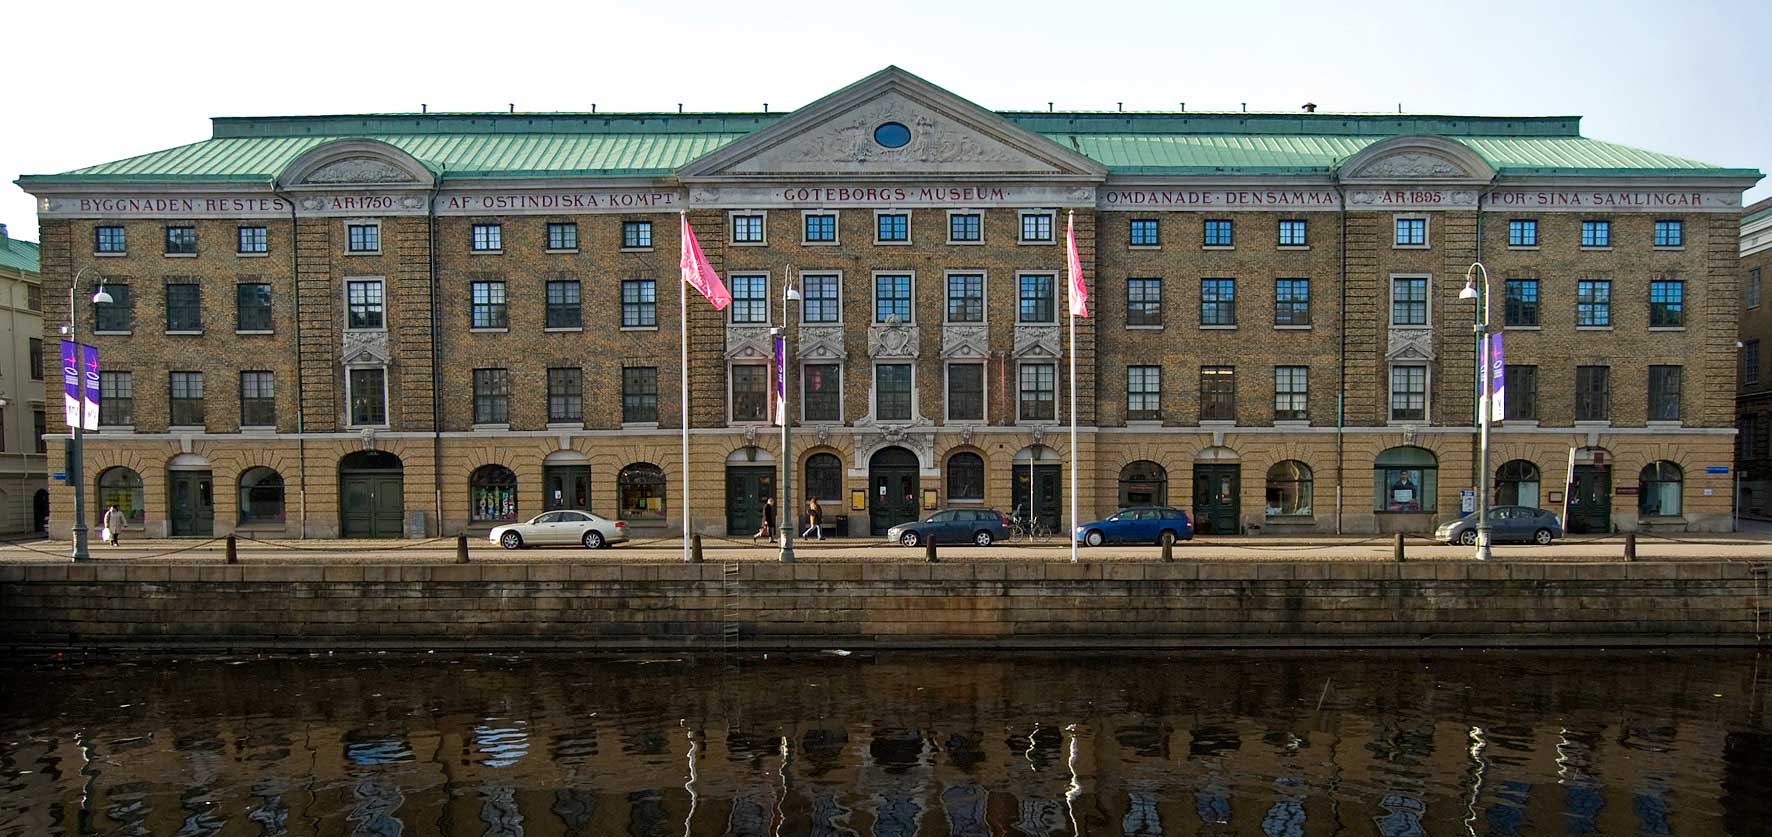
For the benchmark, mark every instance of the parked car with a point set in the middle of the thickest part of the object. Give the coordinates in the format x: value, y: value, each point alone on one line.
x: 1142, y: 524
x: 561, y: 528
x: 953, y: 526
x: 1522, y: 524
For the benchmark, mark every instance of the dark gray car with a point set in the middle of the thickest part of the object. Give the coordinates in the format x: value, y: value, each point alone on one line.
x: 981, y: 527
x: 1518, y: 524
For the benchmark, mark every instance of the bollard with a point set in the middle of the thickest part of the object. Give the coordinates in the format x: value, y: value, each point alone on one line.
x: 461, y: 549
x: 1630, y: 546
x: 695, y: 549
x: 1397, y: 548
x: 233, y: 551
x: 1168, y: 550
x: 929, y: 550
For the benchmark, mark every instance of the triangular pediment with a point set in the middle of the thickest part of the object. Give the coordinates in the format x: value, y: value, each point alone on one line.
x: 895, y: 124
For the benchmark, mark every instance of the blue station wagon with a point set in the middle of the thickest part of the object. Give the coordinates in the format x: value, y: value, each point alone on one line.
x: 1143, y: 524
x: 981, y: 527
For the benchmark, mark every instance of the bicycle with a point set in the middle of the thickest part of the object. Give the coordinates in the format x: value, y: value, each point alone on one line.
x: 1022, y: 530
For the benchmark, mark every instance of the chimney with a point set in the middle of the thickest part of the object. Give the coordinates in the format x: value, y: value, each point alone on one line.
x: 1310, y: 107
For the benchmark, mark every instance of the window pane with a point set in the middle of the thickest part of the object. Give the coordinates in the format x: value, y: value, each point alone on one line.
x: 639, y: 303
x: 1593, y: 303
x: 1664, y: 393
x: 563, y: 304
x: 252, y: 304
x: 491, y: 396
x: 892, y: 391
x: 965, y: 392
x: 488, y: 304
x: 368, y: 396
x: 1144, y: 302
x: 1036, y: 227
x: 819, y: 300
x: 487, y: 237
x: 1667, y: 304
x: 1144, y: 232
x: 750, y: 299
x: 1036, y: 298
x: 1218, y: 393
x: 1521, y: 302
x: 1522, y: 392
x: 363, y: 238
x: 1408, y: 393
x: 1292, y: 233
x: 636, y: 234
x: 639, y: 394
x: 566, y: 394
x: 564, y: 236
x: 892, y: 227
x: 1593, y: 394
x: 1218, y: 233
x: 821, y: 387
x: 750, y: 398
x: 364, y: 305
x: 116, y: 405
x: 892, y: 298
x: 965, y: 298
x: 1292, y: 302
x: 1218, y: 302
x: 184, y: 308
x: 1039, y: 396
x: 1408, y: 302
x: 251, y: 239
x: 1144, y: 393
x: 965, y: 226
x: 821, y: 228
x: 1291, y: 393
x: 965, y: 473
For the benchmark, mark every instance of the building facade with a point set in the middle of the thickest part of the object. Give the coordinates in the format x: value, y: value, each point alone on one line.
x: 1753, y: 400
x: 24, y: 493
x: 423, y: 323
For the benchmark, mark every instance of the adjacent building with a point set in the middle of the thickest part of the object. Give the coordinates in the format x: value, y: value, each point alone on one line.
x: 1753, y: 400
x: 408, y: 324
x: 24, y: 492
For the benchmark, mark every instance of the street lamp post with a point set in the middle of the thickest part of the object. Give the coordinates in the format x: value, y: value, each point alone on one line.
x: 1472, y: 291
x: 786, y: 517
x: 75, y: 451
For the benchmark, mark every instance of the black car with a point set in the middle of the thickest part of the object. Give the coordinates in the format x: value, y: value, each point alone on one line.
x: 982, y: 527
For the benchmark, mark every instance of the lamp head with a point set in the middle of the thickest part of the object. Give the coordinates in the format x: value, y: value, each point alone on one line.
x: 793, y: 293
x: 1470, y: 290
x: 101, y: 298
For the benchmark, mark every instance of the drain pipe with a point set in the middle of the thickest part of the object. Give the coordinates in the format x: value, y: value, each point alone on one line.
x: 436, y: 374
x: 1341, y: 386
x: 301, y: 404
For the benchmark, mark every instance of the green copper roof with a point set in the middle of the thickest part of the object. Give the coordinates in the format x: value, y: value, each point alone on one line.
x: 653, y: 144
x: 18, y: 254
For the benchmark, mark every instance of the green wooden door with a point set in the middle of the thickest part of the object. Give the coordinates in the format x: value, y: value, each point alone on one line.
x: 1216, y: 488
x: 747, y: 486
x: 193, y: 504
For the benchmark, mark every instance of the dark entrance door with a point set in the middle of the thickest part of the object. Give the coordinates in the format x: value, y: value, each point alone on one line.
x: 40, y: 511
x: 1043, y: 484
x: 371, y: 495
x: 1590, y: 500
x: 1216, y: 488
x: 747, y: 486
x: 193, y: 504
x: 892, y: 489
x: 566, y: 487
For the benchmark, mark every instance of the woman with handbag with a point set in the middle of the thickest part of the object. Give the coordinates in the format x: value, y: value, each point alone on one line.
x: 814, y: 519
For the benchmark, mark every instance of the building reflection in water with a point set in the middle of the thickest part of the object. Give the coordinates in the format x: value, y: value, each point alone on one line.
x: 895, y: 746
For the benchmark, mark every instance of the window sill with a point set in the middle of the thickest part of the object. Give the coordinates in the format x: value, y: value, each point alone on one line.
x: 966, y: 243
x: 1144, y: 328
x: 365, y: 330
x: 1218, y: 423
x: 362, y: 252
x: 621, y: 250
x: 1204, y: 327
x: 1036, y: 243
x: 1292, y: 422
x: 112, y: 333
x: 179, y: 255
x: 750, y: 244
x: 486, y: 252
x: 1412, y: 247
x: 1593, y: 328
x: 566, y: 425
x: 819, y: 243
x: 563, y: 330
x: 116, y: 428
x: 1144, y: 246
x: 1412, y: 326
x: 1218, y: 247
x: 368, y: 426
x: 1416, y: 422
x: 98, y: 255
x: 1606, y: 249
x: 259, y: 429
x: 1605, y: 423
x: 639, y: 425
x: 187, y: 428
x: 1523, y: 247
x: 254, y: 331
x: 488, y: 330
x: 1033, y: 324
x: 252, y: 255
x: 894, y: 243
x: 1674, y: 249
x: 1520, y: 422
x: 197, y: 333
x: 1144, y: 422
x: 564, y: 251
x: 1521, y: 328
x: 1293, y: 247
x: 1292, y: 328
x: 490, y: 428
x: 946, y: 323
x: 1674, y: 423
x: 1667, y: 328
x: 639, y: 328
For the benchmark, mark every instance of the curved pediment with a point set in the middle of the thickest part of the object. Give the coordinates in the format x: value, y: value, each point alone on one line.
x: 355, y: 162
x: 1416, y: 159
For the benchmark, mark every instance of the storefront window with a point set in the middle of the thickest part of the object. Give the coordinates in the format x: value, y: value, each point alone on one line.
x: 1405, y: 479
x: 642, y: 490
x: 1658, y: 489
x: 492, y: 494
x: 1289, y: 489
x: 261, y: 496
x: 824, y: 477
x: 965, y: 476
x: 122, y: 488
x: 1143, y: 483
x: 1516, y: 484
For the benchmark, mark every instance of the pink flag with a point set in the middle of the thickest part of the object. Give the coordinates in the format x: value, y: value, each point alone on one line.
x: 1079, y: 293
x: 699, y: 274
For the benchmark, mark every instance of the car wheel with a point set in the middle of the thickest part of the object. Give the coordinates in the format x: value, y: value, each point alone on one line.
x: 1094, y: 538
x: 510, y: 540
x: 983, y: 538
x: 1468, y: 537
x: 1166, y: 539
x: 908, y: 539
x: 593, y: 539
x: 1542, y: 537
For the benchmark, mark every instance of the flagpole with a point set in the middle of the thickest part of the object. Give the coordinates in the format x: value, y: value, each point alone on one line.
x: 683, y: 378
x: 1071, y: 534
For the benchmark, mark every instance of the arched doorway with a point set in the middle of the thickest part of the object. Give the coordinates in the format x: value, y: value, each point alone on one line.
x: 1144, y: 483
x: 192, y: 489
x: 1038, y: 480
x: 371, y: 494
x: 1218, y: 485
x: 892, y: 488
x: 750, y: 481
x: 120, y: 487
x: 566, y: 481
x: 40, y: 511
x: 1590, y: 495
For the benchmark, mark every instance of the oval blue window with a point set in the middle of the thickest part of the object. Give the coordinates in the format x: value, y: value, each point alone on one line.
x: 892, y: 135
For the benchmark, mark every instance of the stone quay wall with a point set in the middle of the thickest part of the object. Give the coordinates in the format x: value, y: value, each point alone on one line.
x: 762, y: 606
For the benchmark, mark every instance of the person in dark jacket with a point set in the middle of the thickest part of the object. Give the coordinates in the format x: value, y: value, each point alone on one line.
x: 767, y: 530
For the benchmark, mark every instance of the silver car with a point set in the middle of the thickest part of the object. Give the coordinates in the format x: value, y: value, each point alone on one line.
x: 561, y: 528
x: 1522, y: 524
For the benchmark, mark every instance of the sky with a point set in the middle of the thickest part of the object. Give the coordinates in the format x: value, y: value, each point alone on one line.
x: 90, y: 82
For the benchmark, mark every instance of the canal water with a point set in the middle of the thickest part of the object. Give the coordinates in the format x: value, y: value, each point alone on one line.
x: 1319, y: 743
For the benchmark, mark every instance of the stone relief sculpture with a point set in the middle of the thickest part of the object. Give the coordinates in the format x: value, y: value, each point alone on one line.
x: 359, y: 170
x: 1412, y: 164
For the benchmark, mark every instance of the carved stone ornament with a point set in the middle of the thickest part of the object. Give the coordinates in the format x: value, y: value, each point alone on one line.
x: 366, y: 348
x: 1037, y: 341
x: 313, y: 204
x: 1409, y: 435
x: 748, y: 342
x: 822, y: 342
x: 823, y: 434
x: 894, y: 339
x: 1410, y: 164
x: 934, y: 139
x: 1039, y: 437
x: 367, y: 437
x: 966, y: 340
x: 1410, y: 344
x: 917, y: 436
x: 750, y: 436
x: 966, y: 434
x: 360, y: 170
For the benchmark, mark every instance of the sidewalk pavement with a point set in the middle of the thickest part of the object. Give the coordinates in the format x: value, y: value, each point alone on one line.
x: 1752, y: 546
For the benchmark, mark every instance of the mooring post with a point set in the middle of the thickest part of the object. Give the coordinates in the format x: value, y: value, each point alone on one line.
x: 461, y: 549
x: 695, y: 549
x: 929, y: 550
x: 1630, y: 546
x: 1397, y: 548
x: 233, y: 550
x: 1168, y: 550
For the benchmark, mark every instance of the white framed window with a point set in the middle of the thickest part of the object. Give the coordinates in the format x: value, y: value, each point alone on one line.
x: 1409, y: 232
x: 821, y: 298
x: 750, y: 227
x: 966, y: 387
x: 362, y: 238
x: 1036, y: 297
x: 365, y: 308
x: 366, y: 396
x: 636, y: 235
x: 821, y: 392
x: 894, y: 296
x: 1036, y: 392
x: 486, y: 238
x: 895, y: 392
x: 1037, y: 226
x: 965, y: 226
x: 1410, y: 307
x: 819, y: 227
x: 1409, y: 383
x: 748, y: 392
x: 965, y: 297
x: 750, y: 298
x: 562, y: 237
x: 892, y: 226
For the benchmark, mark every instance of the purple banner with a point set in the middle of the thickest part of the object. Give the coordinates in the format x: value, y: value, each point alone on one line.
x: 781, y: 381
x: 89, y: 367
x: 1497, y: 379
x: 70, y: 383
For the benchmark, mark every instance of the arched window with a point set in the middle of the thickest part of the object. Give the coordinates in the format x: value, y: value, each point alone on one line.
x: 641, y: 489
x: 261, y: 496
x: 966, y: 476
x: 824, y: 477
x: 492, y: 494
x: 1516, y: 484
x: 122, y: 488
x: 1289, y: 489
x: 1144, y: 483
x: 1658, y: 489
x: 1405, y: 479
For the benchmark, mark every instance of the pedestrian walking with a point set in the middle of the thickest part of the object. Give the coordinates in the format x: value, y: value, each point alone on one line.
x: 113, y: 525
x: 814, y: 517
x: 767, y: 530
